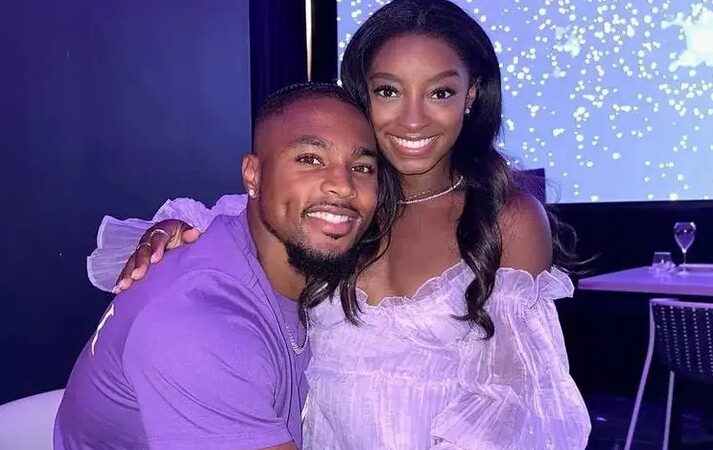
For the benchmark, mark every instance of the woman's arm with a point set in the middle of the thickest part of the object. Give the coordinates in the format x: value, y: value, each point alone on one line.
x: 125, y: 248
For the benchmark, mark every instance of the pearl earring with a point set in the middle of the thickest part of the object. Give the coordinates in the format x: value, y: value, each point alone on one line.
x: 251, y: 193
x: 467, y: 111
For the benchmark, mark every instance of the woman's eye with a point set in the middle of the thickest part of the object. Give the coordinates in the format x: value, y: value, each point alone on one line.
x: 442, y: 94
x: 386, y: 91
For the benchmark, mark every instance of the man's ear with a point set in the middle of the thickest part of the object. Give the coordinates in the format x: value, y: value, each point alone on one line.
x: 251, y: 174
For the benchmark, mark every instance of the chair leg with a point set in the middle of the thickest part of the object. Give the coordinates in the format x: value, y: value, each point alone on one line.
x: 642, y: 383
x: 669, y: 403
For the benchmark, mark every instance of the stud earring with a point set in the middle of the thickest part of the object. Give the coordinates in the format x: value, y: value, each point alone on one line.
x: 251, y: 193
x: 467, y: 111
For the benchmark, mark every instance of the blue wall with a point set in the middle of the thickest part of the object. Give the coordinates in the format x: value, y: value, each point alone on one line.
x: 105, y: 107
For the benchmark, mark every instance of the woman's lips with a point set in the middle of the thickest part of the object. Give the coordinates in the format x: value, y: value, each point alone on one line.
x: 413, y: 146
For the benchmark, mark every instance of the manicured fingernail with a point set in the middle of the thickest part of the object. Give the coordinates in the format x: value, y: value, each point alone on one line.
x: 135, y: 274
x: 123, y: 284
x: 154, y: 258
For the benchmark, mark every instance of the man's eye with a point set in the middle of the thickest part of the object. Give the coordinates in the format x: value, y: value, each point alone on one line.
x: 311, y: 160
x: 364, y: 168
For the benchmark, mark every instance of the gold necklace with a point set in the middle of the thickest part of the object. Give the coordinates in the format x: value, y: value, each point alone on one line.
x: 418, y: 199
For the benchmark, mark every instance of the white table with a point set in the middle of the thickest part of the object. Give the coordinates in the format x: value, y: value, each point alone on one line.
x: 648, y: 281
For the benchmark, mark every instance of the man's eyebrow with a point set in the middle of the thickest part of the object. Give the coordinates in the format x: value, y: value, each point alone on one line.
x: 312, y: 141
x: 360, y: 151
x: 320, y: 142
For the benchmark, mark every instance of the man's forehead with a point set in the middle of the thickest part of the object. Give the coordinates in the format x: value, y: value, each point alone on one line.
x: 318, y: 109
x: 319, y: 117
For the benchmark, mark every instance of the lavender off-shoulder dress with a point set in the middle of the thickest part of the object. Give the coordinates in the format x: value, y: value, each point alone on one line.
x: 412, y: 376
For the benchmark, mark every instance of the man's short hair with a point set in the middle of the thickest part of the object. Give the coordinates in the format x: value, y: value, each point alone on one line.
x: 278, y: 101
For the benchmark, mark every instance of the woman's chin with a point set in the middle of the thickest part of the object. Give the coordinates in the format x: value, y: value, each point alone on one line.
x: 415, y: 166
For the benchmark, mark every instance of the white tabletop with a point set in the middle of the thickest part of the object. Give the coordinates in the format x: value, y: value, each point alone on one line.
x: 648, y: 281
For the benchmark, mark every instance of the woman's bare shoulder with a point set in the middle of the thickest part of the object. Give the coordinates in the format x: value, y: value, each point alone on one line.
x: 526, y: 235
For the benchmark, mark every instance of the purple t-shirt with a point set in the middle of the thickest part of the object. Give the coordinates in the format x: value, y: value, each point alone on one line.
x: 195, y: 356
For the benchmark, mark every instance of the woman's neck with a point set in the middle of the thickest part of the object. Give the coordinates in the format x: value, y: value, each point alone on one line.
x: 436, y: 179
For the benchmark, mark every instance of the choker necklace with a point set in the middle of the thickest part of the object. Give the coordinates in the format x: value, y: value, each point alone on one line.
x: 418, y: 199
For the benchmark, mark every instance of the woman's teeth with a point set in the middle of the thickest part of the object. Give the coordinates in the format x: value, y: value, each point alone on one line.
x: 413, y: 143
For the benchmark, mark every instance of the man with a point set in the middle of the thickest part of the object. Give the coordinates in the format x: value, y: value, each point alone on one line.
x: 208, y: 351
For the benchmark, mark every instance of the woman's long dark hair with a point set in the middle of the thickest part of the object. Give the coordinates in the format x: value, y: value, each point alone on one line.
x: 489, y: 179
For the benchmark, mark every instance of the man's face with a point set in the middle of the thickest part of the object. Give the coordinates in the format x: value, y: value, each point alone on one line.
x: 316, y: 177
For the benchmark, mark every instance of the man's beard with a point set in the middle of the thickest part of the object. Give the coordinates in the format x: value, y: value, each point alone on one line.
x: 314, y: 264
x: 325, y: 266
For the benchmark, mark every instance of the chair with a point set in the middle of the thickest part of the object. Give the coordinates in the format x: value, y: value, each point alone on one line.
x: 682, y: 332
x: 28, y: 423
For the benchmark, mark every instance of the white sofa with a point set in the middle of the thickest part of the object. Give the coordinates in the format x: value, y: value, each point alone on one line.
x: 27, y: 423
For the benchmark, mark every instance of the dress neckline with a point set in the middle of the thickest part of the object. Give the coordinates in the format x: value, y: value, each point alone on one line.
x: 457, y: 270
x: 427, y: 288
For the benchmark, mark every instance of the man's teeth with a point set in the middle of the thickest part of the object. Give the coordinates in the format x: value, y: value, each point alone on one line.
x: 329, y: 217
x: 411, y: 143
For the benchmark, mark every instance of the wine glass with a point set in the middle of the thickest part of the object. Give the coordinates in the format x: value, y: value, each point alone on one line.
x: 684, y: 233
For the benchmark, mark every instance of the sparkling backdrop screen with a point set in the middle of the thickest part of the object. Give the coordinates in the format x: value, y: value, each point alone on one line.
x: 613, y: 98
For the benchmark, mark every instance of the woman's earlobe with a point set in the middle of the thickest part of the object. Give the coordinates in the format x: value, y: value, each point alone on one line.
x: 472, y: 95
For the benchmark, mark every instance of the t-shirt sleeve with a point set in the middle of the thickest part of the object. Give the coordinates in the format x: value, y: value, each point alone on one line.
x: 202, y: 371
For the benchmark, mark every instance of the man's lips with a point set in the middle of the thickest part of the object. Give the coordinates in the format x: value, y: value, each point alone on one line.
x: 330, y: 217
x: 332, y: 220
x: 330, y: 211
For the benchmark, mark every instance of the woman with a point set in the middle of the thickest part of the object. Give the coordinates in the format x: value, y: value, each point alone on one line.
x: 458, y: 344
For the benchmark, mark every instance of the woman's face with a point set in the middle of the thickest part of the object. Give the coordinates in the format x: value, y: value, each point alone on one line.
x: 419, y: 89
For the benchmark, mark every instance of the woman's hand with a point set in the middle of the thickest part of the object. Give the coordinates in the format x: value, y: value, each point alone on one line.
x: 165, y: 235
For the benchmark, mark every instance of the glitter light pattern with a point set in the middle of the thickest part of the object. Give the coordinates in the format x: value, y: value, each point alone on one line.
x: 614, y: 98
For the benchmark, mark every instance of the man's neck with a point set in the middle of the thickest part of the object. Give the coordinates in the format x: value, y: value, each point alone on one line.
x: 273, y: 257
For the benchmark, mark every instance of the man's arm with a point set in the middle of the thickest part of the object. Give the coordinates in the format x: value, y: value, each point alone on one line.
x: 202, y: 372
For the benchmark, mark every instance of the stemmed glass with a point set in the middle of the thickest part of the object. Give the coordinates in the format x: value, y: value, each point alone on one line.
x: 685, y: 234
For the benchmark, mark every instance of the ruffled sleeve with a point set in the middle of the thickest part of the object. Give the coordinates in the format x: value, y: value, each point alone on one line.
x: 117, y: 239
x: 516, y: 391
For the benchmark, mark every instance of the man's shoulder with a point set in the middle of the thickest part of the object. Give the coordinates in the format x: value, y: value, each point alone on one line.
x: 206, y: 314
x: 225, y: 246
x: 208, y: 297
